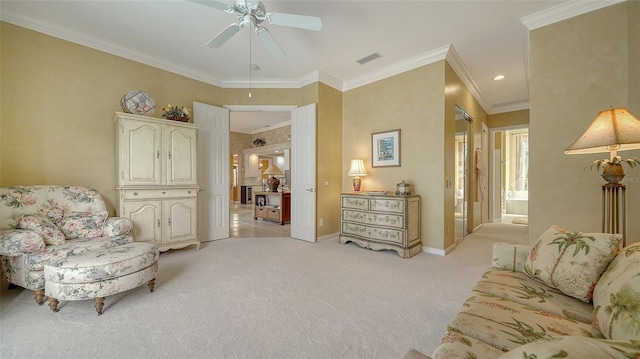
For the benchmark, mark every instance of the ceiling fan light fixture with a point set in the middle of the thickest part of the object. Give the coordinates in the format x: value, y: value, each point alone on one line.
x: 364, y: 60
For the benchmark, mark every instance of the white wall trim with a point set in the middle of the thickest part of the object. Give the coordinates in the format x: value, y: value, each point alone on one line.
x: 437, y: 251
x: 328, y: 237
x: 456, y: 64
x: 564, y: 11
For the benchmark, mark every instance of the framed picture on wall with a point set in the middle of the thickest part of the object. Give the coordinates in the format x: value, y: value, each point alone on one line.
x: 385, y: 149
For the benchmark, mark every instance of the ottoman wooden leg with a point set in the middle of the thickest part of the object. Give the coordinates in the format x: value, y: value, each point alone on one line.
x: 38, y: 295
x: 98, y: 303
x: 53, y: 304
x: 152, y: 284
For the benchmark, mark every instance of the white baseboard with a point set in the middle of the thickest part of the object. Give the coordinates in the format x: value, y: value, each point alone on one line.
x: 437, y: 251
x: 328, y: 236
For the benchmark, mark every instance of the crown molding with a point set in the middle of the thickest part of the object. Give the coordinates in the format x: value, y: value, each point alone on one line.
x: 564, y: 11
x: 397, y: 68
x: 509, y: 107
x: 97, y: 44
x: 458, y: 67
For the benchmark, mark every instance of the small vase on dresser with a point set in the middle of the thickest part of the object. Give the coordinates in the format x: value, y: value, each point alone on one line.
x: 381, y: 222
x: 157, y: 179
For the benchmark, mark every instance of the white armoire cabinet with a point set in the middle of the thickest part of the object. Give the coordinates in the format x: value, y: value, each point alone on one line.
x: 157, y: 179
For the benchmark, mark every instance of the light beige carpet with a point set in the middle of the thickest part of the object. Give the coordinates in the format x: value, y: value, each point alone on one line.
x: 263, y: 298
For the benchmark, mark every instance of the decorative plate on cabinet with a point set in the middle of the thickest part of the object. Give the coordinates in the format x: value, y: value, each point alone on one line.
x: 138, y: 102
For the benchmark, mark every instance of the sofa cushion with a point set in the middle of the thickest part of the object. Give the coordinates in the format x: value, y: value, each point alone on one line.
x: 576, y: 347
x: 83, y: 224
x: 36, y: 261
x: 617, y: 296
x: 520, y: 288
x: 14, y: 242
x: 571, y: 261
x: 101, y: 265
x: 42, y: 226
x: 506, y: 324
x: 456, y: 345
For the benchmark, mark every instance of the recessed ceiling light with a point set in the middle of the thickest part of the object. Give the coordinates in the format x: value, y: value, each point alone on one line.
x: 498, y: 78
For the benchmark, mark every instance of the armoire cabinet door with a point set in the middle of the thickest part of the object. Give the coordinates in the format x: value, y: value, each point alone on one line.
x: 146, y: 218
x: 140, y: 149
x: 181, y: 220
x: 181, y: 155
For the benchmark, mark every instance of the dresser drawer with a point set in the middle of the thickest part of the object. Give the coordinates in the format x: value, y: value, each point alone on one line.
x: 273, y: 214
x: 355, y: 202
x: 392, y: 205
x: 377, y: 219
x: 136, y: 194
x: 373, y: 233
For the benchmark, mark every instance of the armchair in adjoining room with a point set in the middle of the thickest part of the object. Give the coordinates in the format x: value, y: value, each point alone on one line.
x: 46, y: 223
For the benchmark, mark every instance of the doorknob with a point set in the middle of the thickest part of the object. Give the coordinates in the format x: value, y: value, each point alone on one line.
x: 310, y: 189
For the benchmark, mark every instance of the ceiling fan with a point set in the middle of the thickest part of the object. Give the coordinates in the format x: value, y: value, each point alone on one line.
x: 252, y: 13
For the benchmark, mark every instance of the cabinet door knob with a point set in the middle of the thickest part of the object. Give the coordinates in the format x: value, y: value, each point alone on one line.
x: 158, y: 222
x: 135, y: 193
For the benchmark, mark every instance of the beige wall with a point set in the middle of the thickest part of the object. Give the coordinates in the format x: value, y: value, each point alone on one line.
x: 579, y: 67
x: 58, y: 102
x: 506, y: 119
x: 413, y: 102
x: 329, y: 154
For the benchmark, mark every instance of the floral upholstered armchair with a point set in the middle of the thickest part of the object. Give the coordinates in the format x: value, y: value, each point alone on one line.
x: 43, y: 224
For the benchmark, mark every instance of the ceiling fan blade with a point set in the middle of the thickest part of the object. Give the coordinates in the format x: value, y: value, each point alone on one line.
x: 299, y: 21
x: 214, y: 4
x: 270, y: 43
x: 223, y: 36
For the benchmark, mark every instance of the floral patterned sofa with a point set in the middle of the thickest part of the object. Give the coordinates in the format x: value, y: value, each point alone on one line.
x: 571, y: 295
x: 44, y: 224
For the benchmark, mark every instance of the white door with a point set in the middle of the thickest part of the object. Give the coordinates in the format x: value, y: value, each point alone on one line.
x: 303, y: 173
x: 213, y: 171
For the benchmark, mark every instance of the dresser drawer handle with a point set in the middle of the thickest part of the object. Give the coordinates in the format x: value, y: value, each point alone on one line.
x: 135, y: 193
x: 164, y: 192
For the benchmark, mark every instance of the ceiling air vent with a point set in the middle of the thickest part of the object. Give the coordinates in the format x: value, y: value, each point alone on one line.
x: 371, y: 57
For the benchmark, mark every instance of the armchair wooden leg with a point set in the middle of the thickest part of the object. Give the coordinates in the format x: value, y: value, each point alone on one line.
x: 98, y: 303
x: 38, y: 295
x: 152, y: 284
x: 53, y: 304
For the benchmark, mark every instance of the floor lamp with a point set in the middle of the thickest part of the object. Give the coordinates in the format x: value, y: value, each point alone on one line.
x: 613, y: 130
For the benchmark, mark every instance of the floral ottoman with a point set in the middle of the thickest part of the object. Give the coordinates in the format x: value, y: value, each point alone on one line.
x: 97, y: 274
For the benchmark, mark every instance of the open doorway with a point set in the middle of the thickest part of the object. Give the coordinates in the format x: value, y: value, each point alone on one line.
x: 510, y: 184
x: 272, y: 125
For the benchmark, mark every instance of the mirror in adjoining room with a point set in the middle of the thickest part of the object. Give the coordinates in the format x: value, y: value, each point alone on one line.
x: 249, y: 162
x: 462, y: 174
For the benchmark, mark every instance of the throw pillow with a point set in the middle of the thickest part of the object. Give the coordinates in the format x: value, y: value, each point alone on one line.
x: 575, y: 347
x: 571, y: 262
x: 83, y: 224
x: 42, y: 226
x: 616, y: 298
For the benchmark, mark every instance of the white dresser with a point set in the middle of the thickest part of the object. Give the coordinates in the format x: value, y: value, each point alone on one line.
x: 382, y: 222
x: 157, y: 179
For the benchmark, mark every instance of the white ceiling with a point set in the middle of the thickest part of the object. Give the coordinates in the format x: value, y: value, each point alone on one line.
x: 482, y: 38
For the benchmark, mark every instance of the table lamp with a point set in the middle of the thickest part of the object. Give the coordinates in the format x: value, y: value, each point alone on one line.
x: 612, y: 130
x: 357, y: 170
x: 273, y: 182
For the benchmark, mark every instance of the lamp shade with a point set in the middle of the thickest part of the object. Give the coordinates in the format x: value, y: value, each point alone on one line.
x: 273, y: 170
x: 612, y: 130
x: 357, y: 168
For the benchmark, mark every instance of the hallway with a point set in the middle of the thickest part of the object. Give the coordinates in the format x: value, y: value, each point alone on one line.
x: 244, y: 226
